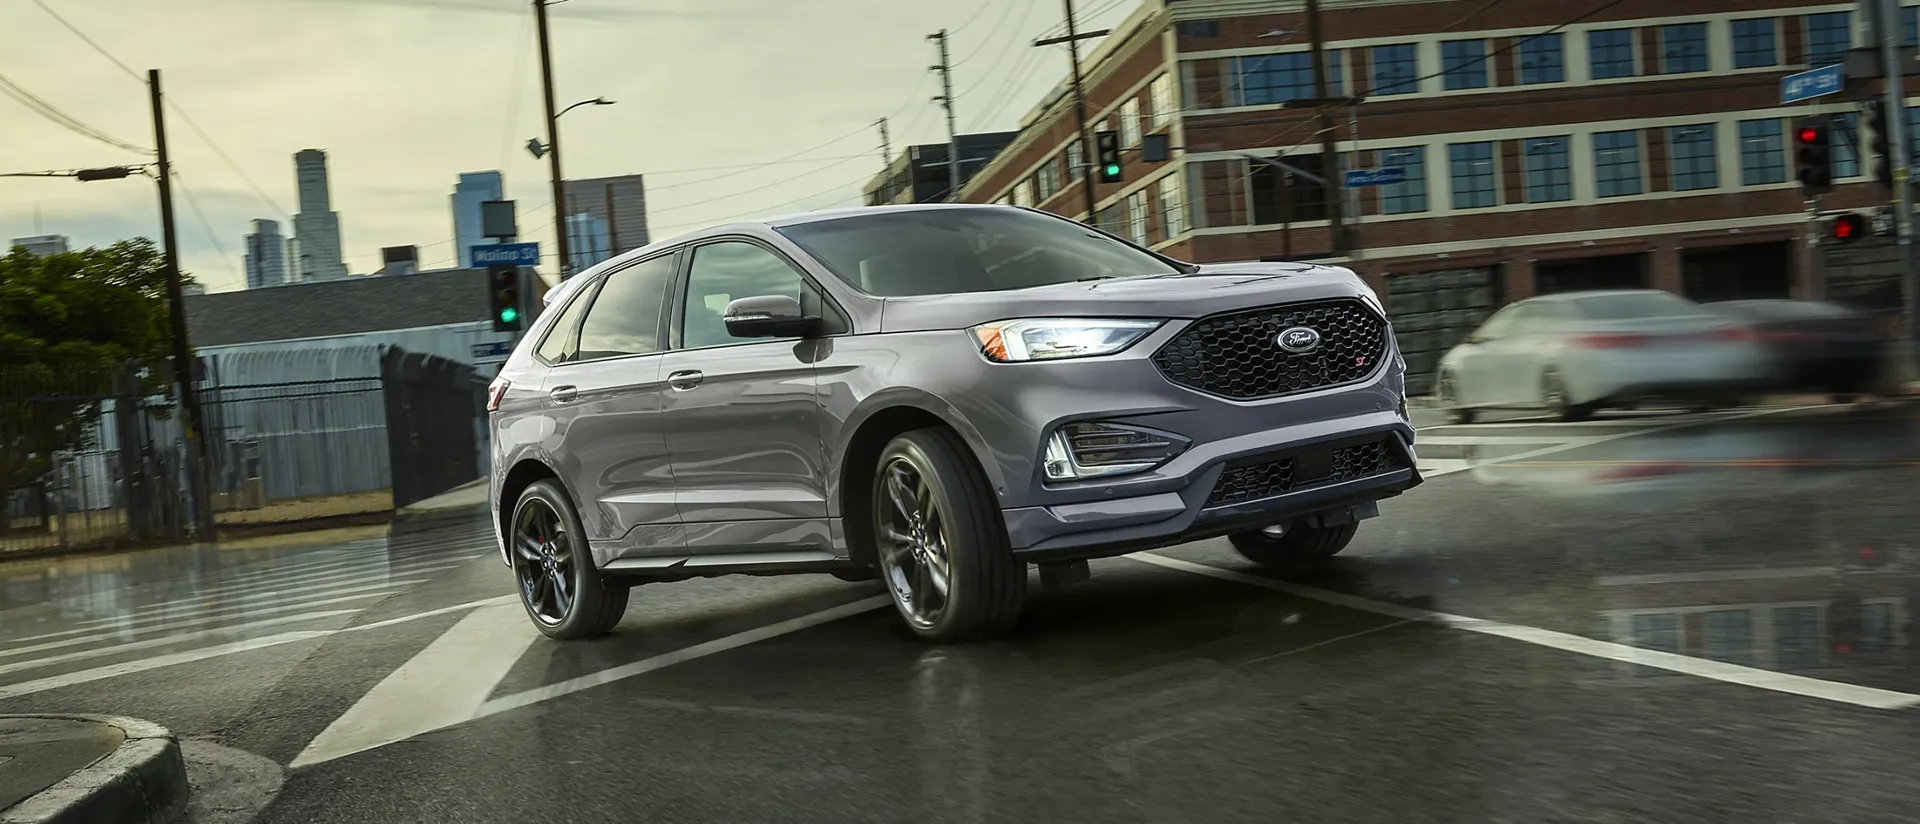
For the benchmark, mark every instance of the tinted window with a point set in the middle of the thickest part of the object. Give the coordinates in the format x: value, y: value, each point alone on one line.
x: 724, y: 272
x: 1501, y: 324
x: 625, y: 317
x: 557, y: 346
x: 1636, y: 306
x: 950, y: 251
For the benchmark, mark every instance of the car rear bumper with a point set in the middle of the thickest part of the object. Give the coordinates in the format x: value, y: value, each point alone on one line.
x: 1116, y: 526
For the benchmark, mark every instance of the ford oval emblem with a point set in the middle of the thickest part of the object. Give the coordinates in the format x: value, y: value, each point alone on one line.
x: 1298, y: 340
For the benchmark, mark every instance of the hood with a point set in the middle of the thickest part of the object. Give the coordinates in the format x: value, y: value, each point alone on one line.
x: 1212, y: 290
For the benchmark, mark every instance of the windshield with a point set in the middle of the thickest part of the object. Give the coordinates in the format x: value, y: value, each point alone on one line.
x: 1636, y: 306
x: 904, y: 253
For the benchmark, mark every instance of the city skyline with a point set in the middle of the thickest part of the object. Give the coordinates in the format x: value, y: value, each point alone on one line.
x: 469, y: 191
x: 316, y: 227
x: 266, y: 255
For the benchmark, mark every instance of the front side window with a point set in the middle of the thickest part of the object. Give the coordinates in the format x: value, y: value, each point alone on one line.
x: 1542, y: 59
x: 625, y: 316
x: 952, y: 251
x: 1694, y: 166
x: 1610, y: 53
x: 1409, y: 196
x: 1463, y: 64
x: 1683, y: 48
x: 1829, y: 35
x: 1471, y: 167
x: 1396, y: 69
x: 1616, y: 163
x: 1763, y: 153
x: 1549, y: 179
x: 724, y: 272
x: 1271, y: 79
x: 1754, y: 44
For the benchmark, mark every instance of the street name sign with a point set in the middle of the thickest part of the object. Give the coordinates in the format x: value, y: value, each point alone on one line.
x: 496, y: 349
x: 1813, y: 83
x: 506, y: 254
x: 1361, y: 178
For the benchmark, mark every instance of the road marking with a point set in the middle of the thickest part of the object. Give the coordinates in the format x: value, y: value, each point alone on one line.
x: 1497, y: 440
x: 162, y: 623
x: 1729, y: 673
x: 1592, y: 441
x: 181, y: 608
x: 235, y: 629
x: 441, y: 686
x: 1435, y: 467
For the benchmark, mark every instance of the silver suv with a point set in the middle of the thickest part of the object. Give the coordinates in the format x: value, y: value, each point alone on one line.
x: 938, y: 396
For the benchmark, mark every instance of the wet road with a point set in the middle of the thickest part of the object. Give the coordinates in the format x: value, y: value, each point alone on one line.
x: 1640, y: 618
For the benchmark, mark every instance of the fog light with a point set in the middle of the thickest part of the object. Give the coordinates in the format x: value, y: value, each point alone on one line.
x: 1079, y: 451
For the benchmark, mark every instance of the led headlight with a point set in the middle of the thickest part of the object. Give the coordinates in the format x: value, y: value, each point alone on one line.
x: 1034, y: 339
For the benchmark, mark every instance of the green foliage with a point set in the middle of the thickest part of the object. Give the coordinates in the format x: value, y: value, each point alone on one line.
x: 68, y: 324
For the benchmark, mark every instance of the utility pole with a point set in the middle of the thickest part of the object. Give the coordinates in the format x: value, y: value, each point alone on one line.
x: 553, y: 146
x: 1902, y: 162
x: 886, y: 142
x: 946, y: 102
x: 193, y: 423
x: 1080, y: 111
x: 1329, y: 151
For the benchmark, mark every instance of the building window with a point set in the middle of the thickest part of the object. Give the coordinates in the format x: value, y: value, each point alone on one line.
x: 1763, y: 152
x: 1305, y: 199
x: 1173, y: 207
x: 1694, y: 167
x: 1076, y: 159
x: 1657, y: 632
x: 1160, y: 99
x: 1796, y: 637
x: 1108, y: 220
x: 1047, y: 180
x: 1754, y: 43
x: 1910, y: 25
x: 1611, y: 53
x: 1470, y: 165
x: 1023, y: 193
x: 1137, y: 217
x: 1548, y: 178
x: 1396, y: 69
x: 1198, y: 28
x: 1409, y: 197
x: 1730, y: 636
x: 1543, y: 59
x: 1845, y: 136
x: 1130, y: 122
x: 1683, y: 48
x: 1829, y: 35
x: 1616, y: 163
x: 1271, y: 79
x: 1463, y: 64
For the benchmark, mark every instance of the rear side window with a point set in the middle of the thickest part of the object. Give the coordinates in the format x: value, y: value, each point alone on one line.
x: 557, y: 346
x: 625, y: 316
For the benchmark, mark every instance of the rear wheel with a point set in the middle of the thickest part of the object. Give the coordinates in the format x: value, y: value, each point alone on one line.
x: 564, y: 595
x: 1296, y: 544
x: 941, y: 545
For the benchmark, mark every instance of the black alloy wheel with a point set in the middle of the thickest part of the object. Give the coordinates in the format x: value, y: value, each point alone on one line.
x: 940, y: 544
x: 553, y: 568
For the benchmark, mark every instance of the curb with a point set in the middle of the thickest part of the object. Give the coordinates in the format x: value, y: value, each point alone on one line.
x: 142, y: 782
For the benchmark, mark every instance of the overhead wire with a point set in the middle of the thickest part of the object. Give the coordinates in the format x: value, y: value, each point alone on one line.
x: 54, y: 114
x: 516, y: 86
x: 1027, y: 11
x: 193, y: 205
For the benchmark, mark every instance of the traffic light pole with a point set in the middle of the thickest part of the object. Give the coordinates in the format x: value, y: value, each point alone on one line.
x: 1902, y: 159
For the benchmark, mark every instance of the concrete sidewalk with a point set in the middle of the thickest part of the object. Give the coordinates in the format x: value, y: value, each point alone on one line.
x: 458, y: 499
x: 88, y: 769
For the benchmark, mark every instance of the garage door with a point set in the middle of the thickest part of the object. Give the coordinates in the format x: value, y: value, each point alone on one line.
x: 1433, y: 311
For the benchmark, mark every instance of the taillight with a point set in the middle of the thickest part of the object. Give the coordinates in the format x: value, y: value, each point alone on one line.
x: 1612, y: 341
x: 1732, y: 334
x: 1785, y: 336
x: 496, y: 391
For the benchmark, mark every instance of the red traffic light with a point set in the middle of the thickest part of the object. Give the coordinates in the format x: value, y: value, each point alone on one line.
x: 1808, y: 135
x: 1848, y: 227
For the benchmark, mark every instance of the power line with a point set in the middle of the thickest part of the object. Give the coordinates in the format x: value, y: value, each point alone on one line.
x: 66, y: 121
x: 516, y: 85
x: 89, y: 41
x: 997, y: 24
x: 762, y: 187
x: 1004, y: 94
x: 194, y: 204
x: 977, y: 14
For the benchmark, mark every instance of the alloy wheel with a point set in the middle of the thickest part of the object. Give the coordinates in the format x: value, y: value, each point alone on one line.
x: 914, y: 554
x: 543, y: 562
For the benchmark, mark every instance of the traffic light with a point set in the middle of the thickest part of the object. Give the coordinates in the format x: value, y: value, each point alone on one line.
x: 1877, y: 153
x: 1813, y: 153
x: 1847, y: 228
x: 1106, y: 146
x: 503, y: 296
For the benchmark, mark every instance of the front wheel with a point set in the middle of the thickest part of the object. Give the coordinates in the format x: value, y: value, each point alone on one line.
x: 553, y: 569
x: 1559, y: 404
x: 1448, y: 392
x: 941, y: 545
x: 1297, y: 543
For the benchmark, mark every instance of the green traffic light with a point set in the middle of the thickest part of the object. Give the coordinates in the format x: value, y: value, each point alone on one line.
x: 1113, y: 169
x: 509, y: 315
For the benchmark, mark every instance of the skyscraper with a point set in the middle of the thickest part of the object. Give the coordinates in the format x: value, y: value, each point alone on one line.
x: 472, y: 189
x: 317, y: 226
x: 605, y: 217
x: 266, y: 255
x: 41, y: 245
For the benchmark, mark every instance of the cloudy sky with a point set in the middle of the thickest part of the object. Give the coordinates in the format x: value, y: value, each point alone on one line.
x: 406, y: 94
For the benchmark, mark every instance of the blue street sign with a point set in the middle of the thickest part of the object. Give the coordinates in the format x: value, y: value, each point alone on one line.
x: 497, y: 349
x: 506, y: 254
x: 1813, y: 83
x: 1362, y: 178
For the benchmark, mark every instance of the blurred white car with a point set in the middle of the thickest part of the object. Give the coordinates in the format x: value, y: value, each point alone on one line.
x: 1574, y: 353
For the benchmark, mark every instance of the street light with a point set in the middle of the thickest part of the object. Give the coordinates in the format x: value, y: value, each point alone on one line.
x: 538, y: 149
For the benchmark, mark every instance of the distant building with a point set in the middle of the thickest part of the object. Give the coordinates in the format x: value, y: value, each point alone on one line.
x: 317, y: 226
x: 266, y: 255
x: 472, y: 189
x: 605, y: 217
x: 193, y: 288
x: 399, y: 260
x: 43, y: 245
x: 919, y: 175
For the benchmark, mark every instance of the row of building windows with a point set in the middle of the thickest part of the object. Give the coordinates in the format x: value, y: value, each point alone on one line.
x: 1136, y: 117
x: 1684, y: 48
x: 1129, y: 217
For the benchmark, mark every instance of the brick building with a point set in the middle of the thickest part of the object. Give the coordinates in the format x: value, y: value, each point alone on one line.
x: 1549, y: 145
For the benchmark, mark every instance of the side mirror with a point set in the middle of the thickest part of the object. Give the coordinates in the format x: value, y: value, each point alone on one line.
x: 769, y: 316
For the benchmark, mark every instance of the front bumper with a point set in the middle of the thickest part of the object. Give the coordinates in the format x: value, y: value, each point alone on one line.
x: 1199, y: 509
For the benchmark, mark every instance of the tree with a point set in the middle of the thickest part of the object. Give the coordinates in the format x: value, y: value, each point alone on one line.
x: 69, y: 323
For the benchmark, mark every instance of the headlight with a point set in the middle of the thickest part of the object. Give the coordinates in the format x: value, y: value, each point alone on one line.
x: 1372, y: 298
x: 1034, y: 339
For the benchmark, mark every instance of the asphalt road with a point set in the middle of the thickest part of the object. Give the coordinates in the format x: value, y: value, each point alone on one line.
x: 1643, y: 618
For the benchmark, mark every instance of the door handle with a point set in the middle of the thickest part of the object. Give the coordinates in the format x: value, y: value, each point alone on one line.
x: 685, y: 379
x: 564, y: 394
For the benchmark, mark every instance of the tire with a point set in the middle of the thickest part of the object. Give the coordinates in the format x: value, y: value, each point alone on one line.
x: 1448, y: 392
x: 958, y: 534
x: 1299, y: 544
x: 545, y: 539
x: 1553, y: 396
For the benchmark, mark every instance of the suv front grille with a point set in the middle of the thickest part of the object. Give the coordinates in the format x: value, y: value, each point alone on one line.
x: 1275, y: 476
x: 1238, y: 356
